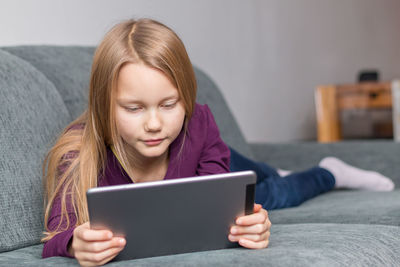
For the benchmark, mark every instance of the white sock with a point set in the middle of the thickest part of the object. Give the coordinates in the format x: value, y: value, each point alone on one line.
x: 283, y: 173
x: 347, y: 176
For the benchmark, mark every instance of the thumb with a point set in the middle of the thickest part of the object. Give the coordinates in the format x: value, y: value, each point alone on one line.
x: 86, y: 225
x: 257, y: 207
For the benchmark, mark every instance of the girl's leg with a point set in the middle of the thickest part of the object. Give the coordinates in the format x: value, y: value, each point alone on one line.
x: 277, y: 192
x: 239, y: 162
x: 273, y: 192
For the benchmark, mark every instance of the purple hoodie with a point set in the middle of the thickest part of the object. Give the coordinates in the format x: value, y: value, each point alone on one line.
x: 203, y: 153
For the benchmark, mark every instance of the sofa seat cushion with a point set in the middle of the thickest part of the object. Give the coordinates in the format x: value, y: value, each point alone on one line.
x: 32, y: 114
x: 32, y: 256
x: 290, y: 245
x: 344, y: 206
x: 332, y: 245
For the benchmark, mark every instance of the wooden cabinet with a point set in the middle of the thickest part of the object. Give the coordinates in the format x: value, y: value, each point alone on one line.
x: 330, y: 100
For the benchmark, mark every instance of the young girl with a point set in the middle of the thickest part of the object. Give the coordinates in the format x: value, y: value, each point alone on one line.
x: 142, y: 124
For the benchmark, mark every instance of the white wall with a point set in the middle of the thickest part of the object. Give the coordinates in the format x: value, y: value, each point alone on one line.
x: 267, y: 56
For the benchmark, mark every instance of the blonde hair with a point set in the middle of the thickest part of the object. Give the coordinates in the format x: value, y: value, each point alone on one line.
x: 75, y: 162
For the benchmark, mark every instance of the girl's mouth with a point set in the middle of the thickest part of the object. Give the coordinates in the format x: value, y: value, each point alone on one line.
x: 153, y: 142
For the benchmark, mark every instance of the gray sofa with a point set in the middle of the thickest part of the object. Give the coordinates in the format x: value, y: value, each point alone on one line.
x: 42, y: 88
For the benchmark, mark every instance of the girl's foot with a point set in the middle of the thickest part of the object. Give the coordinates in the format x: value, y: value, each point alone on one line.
x: 347, y: 176
x: 283, y: 173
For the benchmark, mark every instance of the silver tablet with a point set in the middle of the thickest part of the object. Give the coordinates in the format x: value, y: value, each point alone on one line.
x: 173, y: 216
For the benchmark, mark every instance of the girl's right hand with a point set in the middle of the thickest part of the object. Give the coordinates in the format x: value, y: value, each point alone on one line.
x: 94, y: 247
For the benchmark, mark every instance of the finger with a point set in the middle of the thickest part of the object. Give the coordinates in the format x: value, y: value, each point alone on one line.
x: 109, y: 258
x: 99, y: 258
x: 254, y: 237
x: 89, y: 235
x: 103, y: 245
x: 254, y: 245
x: 259, y: 217
x: 86, y: 263
x: 268, y: 224
x: 252, y: 229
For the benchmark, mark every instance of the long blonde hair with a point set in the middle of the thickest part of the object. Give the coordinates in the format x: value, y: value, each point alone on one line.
x: 75, y: 162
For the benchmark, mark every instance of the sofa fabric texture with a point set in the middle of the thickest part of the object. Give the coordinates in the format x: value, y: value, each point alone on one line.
x: 28, y: 126
x: 43, y: 88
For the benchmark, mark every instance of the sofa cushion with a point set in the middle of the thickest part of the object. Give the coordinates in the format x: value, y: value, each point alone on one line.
x: 32, y: 114
x: 67, y: 67
x: 290, y: 245
x: 344, y: 206
x: 332, y: 245
x: 32, y: 256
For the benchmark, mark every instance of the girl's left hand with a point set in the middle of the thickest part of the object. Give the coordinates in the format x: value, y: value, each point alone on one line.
x: 252, y: 231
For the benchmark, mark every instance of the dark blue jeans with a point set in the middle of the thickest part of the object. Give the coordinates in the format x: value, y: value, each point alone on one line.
x: 275, y: 192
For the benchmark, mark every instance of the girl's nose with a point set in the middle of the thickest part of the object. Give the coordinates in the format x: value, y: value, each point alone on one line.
x: 153, y: 122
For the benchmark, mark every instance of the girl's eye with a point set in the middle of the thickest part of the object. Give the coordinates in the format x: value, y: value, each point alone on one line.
x: 133, y: 109
x: 168, y: 105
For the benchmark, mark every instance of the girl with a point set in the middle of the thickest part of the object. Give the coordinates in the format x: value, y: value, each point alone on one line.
x: 142, y: 124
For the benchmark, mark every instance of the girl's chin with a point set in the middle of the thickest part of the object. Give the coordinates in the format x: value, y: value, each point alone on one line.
x: 144, y: 151
x: 152, y: 152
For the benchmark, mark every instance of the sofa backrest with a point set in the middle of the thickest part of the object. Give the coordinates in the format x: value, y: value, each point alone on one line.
x: 32, y: 113
x: 68, y: 68
x: 42, y: 89
x: 208, y: 93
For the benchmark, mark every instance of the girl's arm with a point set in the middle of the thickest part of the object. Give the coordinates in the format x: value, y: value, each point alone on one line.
x: 251, y: 231
x: 215, y: 155
x: 90, y: 247
x: 58, y: 244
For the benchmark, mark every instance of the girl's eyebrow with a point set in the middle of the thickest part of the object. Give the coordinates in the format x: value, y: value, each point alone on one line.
x: 170, y: 97
x: 128, y: 101
x: 134, y: 101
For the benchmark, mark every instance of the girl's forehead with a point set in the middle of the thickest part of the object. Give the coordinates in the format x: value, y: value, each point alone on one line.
x: 138, y: 82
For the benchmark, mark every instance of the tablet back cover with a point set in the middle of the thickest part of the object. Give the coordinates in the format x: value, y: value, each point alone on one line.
x: 175, y: 216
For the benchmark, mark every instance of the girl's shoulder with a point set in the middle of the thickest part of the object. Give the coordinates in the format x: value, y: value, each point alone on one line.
x: 202, y: 121
x: 201, y: 112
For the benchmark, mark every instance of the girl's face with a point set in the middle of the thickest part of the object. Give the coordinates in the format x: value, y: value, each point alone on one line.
x: 149, y: 112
